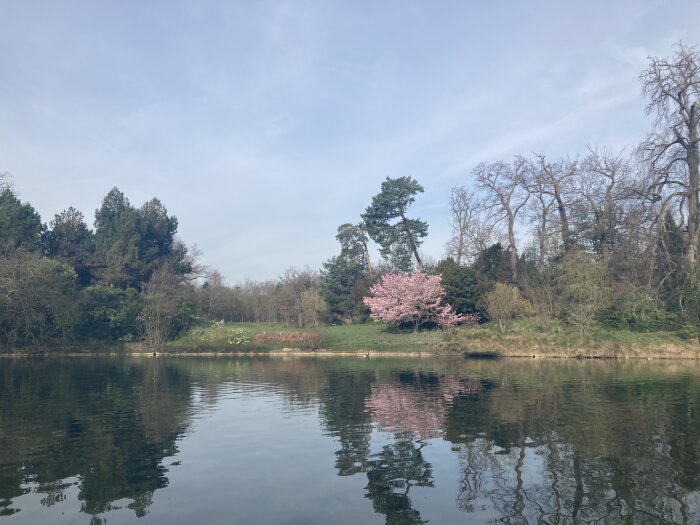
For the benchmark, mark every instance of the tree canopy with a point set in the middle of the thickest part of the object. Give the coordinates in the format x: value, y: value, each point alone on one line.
x: 20, y: 224
x: 388, y: 225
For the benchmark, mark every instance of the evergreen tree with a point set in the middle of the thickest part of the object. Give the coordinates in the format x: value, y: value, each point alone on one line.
x: 69, y: 240
x: 464, y: 287
x: 132, y: 242
x: 116, y: 240
x: 677, y: 290
x: 493, y: 264
x: 156, y: 238
x: 387, y: 224
x: 343, y: 285
x: 353, y: 241
x: 20, y: 224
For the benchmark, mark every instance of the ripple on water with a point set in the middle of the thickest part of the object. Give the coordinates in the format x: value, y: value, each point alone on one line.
x: 348, y: 441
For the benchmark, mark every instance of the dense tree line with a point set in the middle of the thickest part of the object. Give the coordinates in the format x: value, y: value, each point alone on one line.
x: 63, y: 280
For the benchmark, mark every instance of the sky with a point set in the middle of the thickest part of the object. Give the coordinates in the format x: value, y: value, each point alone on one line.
x: 263, y: 126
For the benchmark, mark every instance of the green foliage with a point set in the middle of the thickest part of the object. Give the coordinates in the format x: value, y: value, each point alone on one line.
x: 38, y: 295
x: 353, y: 244
x: 115, y: 239
x: 465, y: 288
x: 493, y: 264
x: 688, y: 332
x: 132, y: 242
x: 584, y: 290
x: 156, y: 236
x: 184, y: 316
x: 398, y: 236
x: 679, y: 293
x: 504, y: 304
x: 637, y: 311
x: 69, y: 240
x: 670, y: 265
x: 20, y: 224
x: 108, y: 313
x: 37, y: 299
x: 343, y: 285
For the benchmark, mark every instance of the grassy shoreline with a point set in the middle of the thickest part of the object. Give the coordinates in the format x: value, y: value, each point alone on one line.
x: 526, y: 338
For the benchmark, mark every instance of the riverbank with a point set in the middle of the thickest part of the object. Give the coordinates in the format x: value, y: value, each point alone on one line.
x: 549, y: 338
x: 532, y: 337
x: 525, y: 338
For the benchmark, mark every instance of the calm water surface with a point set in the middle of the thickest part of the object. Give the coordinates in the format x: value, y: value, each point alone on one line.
x: 348, y: 441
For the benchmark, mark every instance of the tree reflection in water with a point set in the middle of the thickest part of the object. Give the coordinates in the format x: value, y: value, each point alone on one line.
x: 583, y: 451
x: 413, y: 410
x: 536, y: 444
x: 104, y: 426
x: 391, y: 474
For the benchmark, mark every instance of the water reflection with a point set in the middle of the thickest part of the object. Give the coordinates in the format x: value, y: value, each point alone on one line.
x: 543, y: 444
x: 589, y: 450
x: 533, y: 442
x: 391, y: 474
x: 103, y: 426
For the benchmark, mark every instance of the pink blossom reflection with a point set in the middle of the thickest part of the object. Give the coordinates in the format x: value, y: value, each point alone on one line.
x: 414, y: 413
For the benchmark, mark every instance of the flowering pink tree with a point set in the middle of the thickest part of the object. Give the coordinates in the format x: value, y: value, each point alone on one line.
x: 416, y: 299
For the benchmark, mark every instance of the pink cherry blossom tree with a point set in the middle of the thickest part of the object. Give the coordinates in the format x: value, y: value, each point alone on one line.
x: 415, y: 299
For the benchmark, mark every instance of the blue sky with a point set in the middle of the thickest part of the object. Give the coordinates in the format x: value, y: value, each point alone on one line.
x: 264, y: 125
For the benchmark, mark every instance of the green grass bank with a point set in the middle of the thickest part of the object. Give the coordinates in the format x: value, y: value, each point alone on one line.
x: 523, y: 338
x: 263, y: 337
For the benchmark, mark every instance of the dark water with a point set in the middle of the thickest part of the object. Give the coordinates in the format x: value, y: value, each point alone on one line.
x: 348, y: 441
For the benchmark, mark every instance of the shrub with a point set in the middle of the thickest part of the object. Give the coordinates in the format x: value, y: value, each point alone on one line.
x: 637, y: 311
x: 108, y: 313
x: 584, y: 290
x: 503, y: 304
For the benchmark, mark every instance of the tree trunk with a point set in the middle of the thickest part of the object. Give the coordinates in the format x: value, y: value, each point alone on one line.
x: 693, y: 161
x: 369, y: 263
x: 513, y: 249
x: 563, y: 218
x: 413, y: 244
x: 542, y: 237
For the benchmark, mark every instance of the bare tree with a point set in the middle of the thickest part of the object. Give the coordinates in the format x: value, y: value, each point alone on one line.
x: 313, y: 306
x: 161, y: 295
x: 598, y: 188
x: 672, y: 150
x: 295, y: 285
x: 554, y: 180
x: 471, y: 232
x: 505, y: 187
x: 214, y: 300
x: 541, y: 207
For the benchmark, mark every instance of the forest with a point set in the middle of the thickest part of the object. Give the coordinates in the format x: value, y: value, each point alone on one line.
x: 597, y: 238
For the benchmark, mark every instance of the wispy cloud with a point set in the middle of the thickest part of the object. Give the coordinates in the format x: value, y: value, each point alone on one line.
x: 264, y: 125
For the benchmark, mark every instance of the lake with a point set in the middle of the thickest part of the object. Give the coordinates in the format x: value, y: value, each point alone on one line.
x: 346, y: 440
